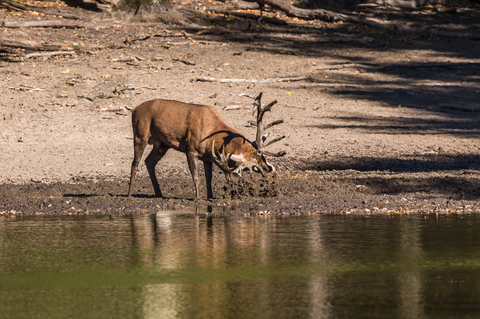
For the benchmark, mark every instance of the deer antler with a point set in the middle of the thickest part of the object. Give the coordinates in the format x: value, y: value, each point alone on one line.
x: 222, y: 159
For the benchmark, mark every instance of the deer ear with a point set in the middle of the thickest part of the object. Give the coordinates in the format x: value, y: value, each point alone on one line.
x: 264, y: 137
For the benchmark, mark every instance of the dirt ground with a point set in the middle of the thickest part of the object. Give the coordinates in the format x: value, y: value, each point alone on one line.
x: 384, y: 139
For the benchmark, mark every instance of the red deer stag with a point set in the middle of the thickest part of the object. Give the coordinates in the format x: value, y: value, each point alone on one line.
x: 200, y: 133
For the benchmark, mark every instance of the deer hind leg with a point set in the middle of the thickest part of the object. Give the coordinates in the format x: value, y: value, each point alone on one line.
x: 158, y: 151
x: 139, y: 145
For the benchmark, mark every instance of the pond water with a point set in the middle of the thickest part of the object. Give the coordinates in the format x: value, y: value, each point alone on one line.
x: 182, y: 265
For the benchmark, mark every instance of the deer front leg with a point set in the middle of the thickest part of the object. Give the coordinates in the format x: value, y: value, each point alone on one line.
x: 208, y: 177
x: 193, y: 165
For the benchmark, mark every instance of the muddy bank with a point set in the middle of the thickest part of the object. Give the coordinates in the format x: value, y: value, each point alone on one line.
x: 303, y: 191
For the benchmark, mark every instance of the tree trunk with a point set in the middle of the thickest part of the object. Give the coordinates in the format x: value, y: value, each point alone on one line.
x: 151, y: 11
x: 317, y: 14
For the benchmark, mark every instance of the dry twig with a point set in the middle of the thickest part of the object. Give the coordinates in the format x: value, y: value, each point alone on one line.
x: 260, y: 137
x: 293, y: 79
x: 184, y: 61
x: 26, y: 87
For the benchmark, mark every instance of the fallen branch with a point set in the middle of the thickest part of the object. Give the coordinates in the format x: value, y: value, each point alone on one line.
x: 16, y: 6
x: 119, y: 90
x: 129, y: 40
x: 296, y: 107
x: 32, y: 46
x: 48, y: 54
x: 11, y: 54
x: 58, y: 13
x: 14, y: 50
x: 91, y: 99
x: 184, y: 61
x: 118, y: 109
x: 399, y: 66
x: 245, y: 15
x: 142, y: 66
x: 146, y: 87
x: 12, y: 5
x: 168, y: 43
x: 50, y: 24
x: 246, y: 95
x: 26, y: 87
x: 294, y: 79
x: 235, y: 107
x: 344, y: 66
x: 123, y: 60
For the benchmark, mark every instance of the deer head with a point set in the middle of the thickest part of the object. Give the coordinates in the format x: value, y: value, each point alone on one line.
x: 251, y: 156
x: 244, y: 158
